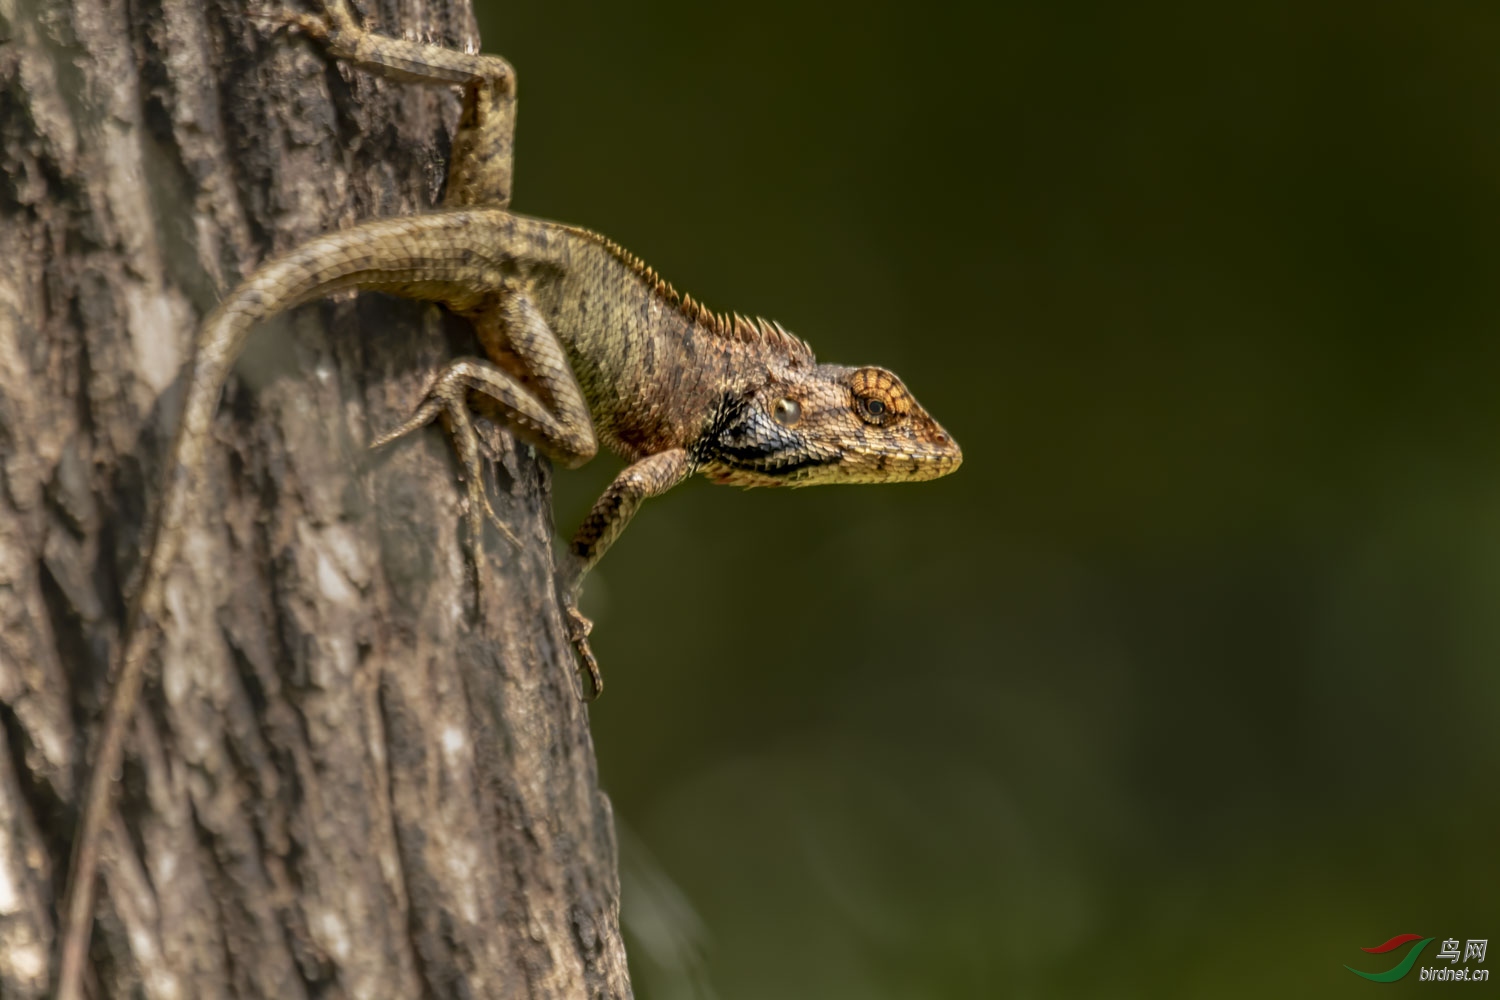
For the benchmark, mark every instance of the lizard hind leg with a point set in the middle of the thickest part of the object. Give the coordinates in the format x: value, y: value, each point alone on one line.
x: 480, y: 167
x: 448, y: 397
x: 546, y: 408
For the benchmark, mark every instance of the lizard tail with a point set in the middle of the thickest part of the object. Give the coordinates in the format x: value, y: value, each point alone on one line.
x: 373, y: 255
x: 217, y: 346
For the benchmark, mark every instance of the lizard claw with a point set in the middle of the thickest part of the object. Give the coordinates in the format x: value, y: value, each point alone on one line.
x: 420, y: 417
x: 444, y: 399
x: 579, y: 628
x: 489, y: 512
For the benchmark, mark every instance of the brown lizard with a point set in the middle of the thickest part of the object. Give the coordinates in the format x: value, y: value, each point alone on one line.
x: 585, y: 343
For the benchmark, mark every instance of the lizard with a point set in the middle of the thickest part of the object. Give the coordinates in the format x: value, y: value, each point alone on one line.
x: 584, y: 344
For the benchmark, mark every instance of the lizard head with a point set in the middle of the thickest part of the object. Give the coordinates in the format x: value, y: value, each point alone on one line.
x: 814, y: 424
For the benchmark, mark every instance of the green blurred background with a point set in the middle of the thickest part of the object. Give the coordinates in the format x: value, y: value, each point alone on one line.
x: 1185, y: 684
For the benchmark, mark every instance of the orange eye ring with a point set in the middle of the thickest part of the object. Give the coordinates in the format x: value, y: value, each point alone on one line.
x: 879, y: 397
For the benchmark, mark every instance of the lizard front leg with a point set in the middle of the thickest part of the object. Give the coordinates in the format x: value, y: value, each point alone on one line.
x: 479, y: 170
x: 651, y: 476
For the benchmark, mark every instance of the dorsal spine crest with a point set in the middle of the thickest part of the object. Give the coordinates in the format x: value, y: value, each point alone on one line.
x: 731, y: 327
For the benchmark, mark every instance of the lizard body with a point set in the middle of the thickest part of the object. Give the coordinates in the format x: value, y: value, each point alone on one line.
x: 584, y: 344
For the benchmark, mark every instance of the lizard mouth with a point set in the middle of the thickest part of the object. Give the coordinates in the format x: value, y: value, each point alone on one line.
x: 752, y: 467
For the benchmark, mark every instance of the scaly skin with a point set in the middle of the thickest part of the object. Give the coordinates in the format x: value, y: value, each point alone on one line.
x: 609, y: 352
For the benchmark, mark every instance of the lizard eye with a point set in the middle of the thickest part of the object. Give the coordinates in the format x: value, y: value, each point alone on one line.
x: 787, y: 412
x: 879, y: 397
x: 873, y: 409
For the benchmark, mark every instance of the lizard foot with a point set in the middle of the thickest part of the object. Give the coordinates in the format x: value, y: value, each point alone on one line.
x: 579, y: 628
x: 448, y: 397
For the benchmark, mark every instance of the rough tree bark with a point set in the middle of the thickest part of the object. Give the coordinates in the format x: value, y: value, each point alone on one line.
x: 350, y: 775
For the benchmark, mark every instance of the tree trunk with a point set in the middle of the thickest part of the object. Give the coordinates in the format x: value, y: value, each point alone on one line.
x: 351, y: 775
